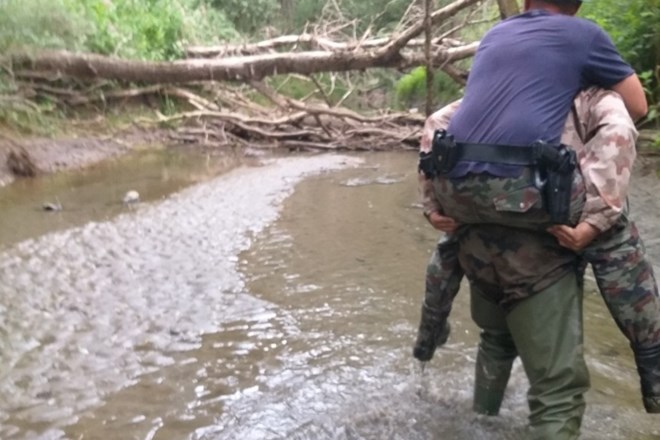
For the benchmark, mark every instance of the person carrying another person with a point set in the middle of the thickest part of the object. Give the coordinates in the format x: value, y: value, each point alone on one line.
x: 603, y: 136
x: 502, y: 149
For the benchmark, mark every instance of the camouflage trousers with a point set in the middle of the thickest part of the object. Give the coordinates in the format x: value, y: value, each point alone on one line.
x: 624, y: 276
x: 509, y: 201
x: 625, y: 280
x: 627, y: 283
x: 479, y: 199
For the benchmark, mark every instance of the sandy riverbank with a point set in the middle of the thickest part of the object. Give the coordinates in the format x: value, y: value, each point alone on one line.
x: 52, y: 154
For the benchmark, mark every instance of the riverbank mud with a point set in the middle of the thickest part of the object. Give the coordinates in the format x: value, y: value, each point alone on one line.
x: 53, y: 154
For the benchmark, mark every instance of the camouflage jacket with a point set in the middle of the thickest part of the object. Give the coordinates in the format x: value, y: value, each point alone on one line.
x: 601, y: 132
x: 511, y: 264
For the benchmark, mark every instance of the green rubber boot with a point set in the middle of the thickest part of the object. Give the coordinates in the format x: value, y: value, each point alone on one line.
x: 495, y: 356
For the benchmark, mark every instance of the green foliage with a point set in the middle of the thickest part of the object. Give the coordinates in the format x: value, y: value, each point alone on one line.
x: 204, y: 24
x: 145, y: 29
x: 28, y: 117
x: 306, y: 11
x: 383, y: 16
x: 248, y: 15
x: 649, y: 81
x: 153, y: 29
x: 299, y: 87
x: 634, y: 26
x: 411, y: 89
x: 41, y: 23
x: 295, y: 87
x: 133, y: 29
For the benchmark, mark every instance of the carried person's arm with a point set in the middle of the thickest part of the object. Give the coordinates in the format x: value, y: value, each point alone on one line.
x: 608, y: 156
x: 604, y: 137
x: 432, y: 209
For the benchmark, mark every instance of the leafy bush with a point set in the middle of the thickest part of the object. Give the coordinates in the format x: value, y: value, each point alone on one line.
x: 145, y: 29
x: 153, y: 29
x: 248, y: 15
x: 634, y: 26
x: 40, y: 23
x: 411, y: 89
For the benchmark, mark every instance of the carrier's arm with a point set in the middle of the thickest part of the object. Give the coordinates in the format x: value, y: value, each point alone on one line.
x: 634, y: 98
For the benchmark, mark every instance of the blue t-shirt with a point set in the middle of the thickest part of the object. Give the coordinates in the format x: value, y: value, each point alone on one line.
x: 525, y: 75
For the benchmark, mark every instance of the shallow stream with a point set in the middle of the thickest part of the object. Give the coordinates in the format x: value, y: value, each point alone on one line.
x: 270, y: 302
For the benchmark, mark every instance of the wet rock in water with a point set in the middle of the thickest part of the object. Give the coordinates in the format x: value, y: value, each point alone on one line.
x: 131, y: 197
x: 20, y: 163
x: 49, y: 206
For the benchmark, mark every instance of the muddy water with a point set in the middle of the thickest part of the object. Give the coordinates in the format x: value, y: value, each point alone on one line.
x: 96, y: 193
x: 240, y: 309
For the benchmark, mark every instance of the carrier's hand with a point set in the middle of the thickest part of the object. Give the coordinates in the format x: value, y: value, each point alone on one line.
x: 576, y: 238
x: 442, y: 223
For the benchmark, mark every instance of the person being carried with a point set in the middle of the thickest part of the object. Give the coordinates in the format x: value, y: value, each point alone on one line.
x: 603, y: 136
x: 624, y: 276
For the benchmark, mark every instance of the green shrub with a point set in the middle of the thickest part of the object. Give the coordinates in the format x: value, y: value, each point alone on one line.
x: 153, y: 29
x: 634, y: 26
x: 248, y: 15
x: 40, y: 23
x: 143, y: 29
x: 411, y: 89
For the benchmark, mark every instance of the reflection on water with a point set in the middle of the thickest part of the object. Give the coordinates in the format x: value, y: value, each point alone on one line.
x: 96, y: 193
x: 212, y: 316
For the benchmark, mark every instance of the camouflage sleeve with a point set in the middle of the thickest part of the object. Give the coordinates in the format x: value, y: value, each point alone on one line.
x: 436, y: 121
x: 607, y: 157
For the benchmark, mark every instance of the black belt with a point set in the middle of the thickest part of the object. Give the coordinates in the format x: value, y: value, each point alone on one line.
x: 499, y: 154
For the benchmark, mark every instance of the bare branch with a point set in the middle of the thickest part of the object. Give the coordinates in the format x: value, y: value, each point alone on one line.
x: 326, y: 98
x: 397, y: 44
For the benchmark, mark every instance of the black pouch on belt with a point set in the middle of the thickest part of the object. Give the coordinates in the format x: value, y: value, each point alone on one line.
x: 444, y: 152
x: 557, y: 165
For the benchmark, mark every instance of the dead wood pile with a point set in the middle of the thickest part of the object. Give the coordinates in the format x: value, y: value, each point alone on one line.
x: 227, y: 94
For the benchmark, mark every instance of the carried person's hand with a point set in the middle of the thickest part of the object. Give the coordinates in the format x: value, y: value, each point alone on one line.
x: 442, y: 223
x: 576, y: 238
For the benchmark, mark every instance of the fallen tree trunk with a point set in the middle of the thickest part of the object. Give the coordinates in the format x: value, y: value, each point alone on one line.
x: 246, y: 68
x: 387, y: 53
x: 309, y: 41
